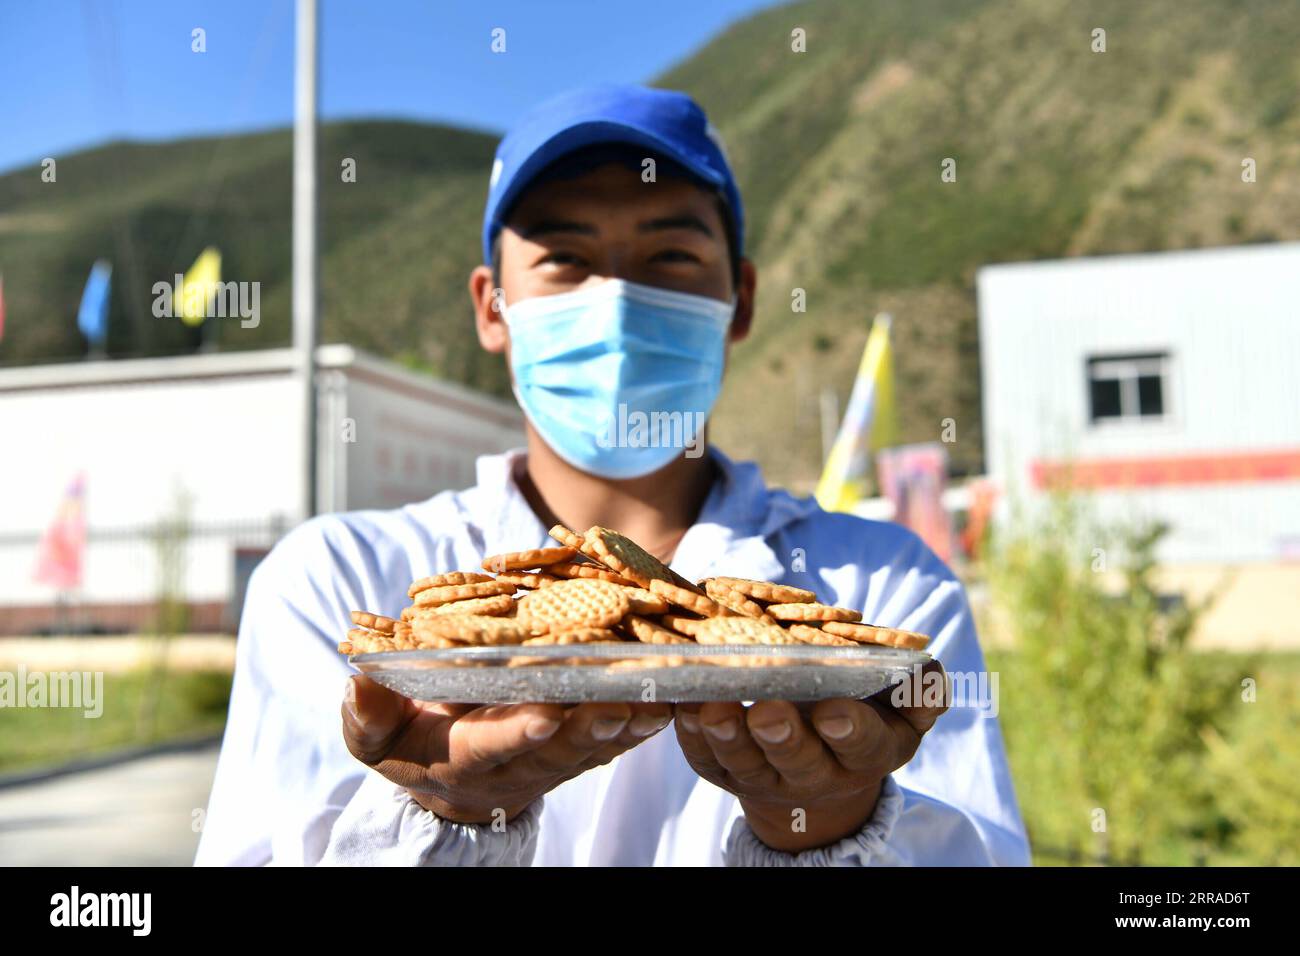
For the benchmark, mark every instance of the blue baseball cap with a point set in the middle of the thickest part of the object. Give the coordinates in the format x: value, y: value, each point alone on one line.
x: 666, y: 122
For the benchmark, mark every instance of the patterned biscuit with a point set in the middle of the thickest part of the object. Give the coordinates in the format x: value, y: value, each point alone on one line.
x: 361, y: 641
x: 646, y: 602
x: 574, y: 569
x: 576, y: 635
x: 470, y: 629
x: 570, y: 539
x: 494, y: 605
x: 446, y: 580
x: 526, y: 560
x: 691, y: 601
x: 767, y: 591
x: 648, y: 632
x: 740, y: 630
x: 581, y: 602
x: 373, y: 622
x: 624, y: 556
x: 869, y: 634
x: 682, y: 623
x: 529, y: 580
x: 730, y: 598
x: 812, y: 612
x: 807, y: 634
x: 461, y: 592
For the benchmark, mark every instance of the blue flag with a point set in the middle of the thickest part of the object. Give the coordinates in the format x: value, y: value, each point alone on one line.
x: 92, y: 317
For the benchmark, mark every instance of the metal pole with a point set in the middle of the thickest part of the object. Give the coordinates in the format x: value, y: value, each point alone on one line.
x: 304, y: 236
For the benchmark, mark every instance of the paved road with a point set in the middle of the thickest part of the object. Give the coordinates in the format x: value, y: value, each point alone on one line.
x: 138, y: 813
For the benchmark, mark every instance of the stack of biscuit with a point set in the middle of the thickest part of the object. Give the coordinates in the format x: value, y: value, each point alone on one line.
x: 601, y: 587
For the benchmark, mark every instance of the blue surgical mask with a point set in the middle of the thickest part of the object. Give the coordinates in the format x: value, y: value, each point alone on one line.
x: 619, y: 378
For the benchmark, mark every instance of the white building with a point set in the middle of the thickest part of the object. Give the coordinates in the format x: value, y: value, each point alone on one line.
x: 224, y: 430
x: 1169, y: 385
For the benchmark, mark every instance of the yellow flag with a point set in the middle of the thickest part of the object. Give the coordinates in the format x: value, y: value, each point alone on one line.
x: 199, y: 287
x: 870, y: 423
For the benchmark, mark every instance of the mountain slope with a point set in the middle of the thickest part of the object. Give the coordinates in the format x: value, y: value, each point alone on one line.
x: 1059, y: 151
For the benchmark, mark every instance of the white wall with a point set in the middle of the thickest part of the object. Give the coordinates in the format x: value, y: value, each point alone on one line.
x: 1229, y: 318
x: 229, y: 442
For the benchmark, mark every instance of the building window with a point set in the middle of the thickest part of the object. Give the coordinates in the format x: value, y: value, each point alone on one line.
x: 1128, y: 387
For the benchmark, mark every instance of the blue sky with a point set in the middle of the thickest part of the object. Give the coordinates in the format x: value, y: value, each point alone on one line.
x: 76, y: 73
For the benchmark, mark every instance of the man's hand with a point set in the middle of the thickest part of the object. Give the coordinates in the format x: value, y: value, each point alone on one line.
x: 805, y: 777
x: 469, y: 763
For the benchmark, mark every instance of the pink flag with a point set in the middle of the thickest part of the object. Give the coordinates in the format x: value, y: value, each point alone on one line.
x: 64, y: 542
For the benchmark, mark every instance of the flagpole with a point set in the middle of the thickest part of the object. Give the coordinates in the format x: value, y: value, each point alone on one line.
x: 304, y: 236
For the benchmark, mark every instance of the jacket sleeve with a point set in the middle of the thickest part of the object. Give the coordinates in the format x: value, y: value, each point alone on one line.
x: 287, y: 791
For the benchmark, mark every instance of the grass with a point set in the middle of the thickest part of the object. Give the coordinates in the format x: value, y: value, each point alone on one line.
x: 186, y: 705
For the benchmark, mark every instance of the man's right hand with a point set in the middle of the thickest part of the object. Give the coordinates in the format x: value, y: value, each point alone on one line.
x: 469, y: 763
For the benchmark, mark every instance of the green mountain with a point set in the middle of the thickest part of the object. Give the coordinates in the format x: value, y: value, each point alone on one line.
x: 1059, y: 151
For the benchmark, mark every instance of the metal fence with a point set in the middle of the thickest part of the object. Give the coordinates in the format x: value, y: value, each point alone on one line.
x: 168, y: 577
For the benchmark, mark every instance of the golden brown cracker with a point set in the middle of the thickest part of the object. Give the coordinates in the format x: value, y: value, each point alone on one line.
x: 767, y: 591
x: 581, y: 602
x: 740, y: 630
x: 528, y: 560
x: 648, y: 632
x: 461, y: 592
x: 690, y: 600
x: 807, y: 634
x: 450, y: 579
x: 575, y: 569
x: 870, y: 634
x: 576, y: 635
x: 812, y: 612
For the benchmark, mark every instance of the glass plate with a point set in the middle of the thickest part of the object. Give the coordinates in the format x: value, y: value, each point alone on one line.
x: 575, y: 673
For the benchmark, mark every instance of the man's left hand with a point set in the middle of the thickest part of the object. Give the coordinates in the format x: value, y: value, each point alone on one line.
x: 806, y: 775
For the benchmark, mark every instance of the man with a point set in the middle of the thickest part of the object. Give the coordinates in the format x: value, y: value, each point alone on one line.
x: 614, y: 282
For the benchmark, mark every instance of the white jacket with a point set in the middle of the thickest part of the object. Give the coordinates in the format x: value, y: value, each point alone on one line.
x: 287, y: 791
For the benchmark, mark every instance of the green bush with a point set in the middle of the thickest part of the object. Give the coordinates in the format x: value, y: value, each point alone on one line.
x: 1106, y: 711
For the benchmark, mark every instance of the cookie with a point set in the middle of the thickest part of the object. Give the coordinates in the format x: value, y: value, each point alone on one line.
x: 449, y: 579
x: 767, y: 591
x: 570, y: 539
x: 812, y: 612
x: 529, y: 580
x: 460, y: 592
x: 527, y: 560
x: 373, y: 622
x: 494, y: 605
x: 740, y: 630
x: 870, y: 634
x: 648, y: 632
x: 581, y: 602
x: 361, y: 641
x: 682, y: 623
x: 690, y: 600
x: 577, y: 635
x: 729, y: 597
x: 574, y: 569
x: 470, y: 629
x: 624, y: 556
x: 807, y: 634
x: 646, y: 602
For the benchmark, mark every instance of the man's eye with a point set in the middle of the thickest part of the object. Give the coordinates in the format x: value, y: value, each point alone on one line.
x: 674, y: 255
x: 563, y: 259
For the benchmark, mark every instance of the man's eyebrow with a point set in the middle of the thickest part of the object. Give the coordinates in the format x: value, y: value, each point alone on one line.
x: 681, y: 221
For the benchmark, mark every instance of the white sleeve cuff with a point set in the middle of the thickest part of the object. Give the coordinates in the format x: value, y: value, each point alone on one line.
x: 867, y: 847
x: 383, y: 826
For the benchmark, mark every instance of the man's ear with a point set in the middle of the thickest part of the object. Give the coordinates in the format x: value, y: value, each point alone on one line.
x: 488, y: 319
x: 743, y: 320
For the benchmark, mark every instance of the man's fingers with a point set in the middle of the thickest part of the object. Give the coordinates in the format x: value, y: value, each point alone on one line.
x: 856, y: 734
x: 690, y: 737
x: 374, y: 717
x: 935, y: 692
x: 724, y: 729
x: 596, y: 733
x: 488, y: 737
x: 788, y: 745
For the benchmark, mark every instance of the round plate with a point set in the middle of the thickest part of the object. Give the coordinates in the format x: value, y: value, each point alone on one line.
x: 576, y: 673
